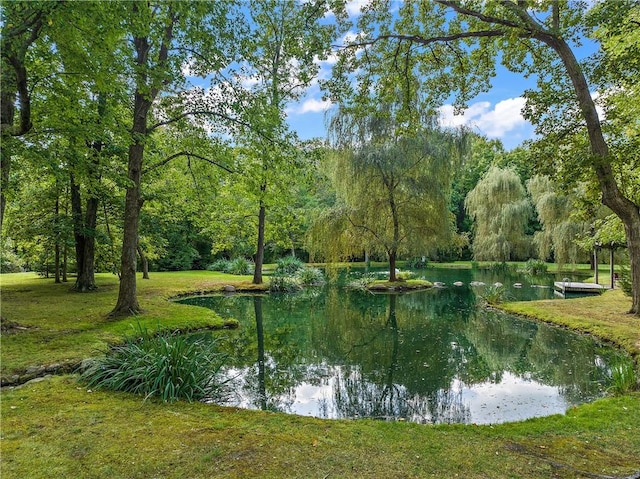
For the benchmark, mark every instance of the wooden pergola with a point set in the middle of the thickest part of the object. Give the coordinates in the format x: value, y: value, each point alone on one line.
x: 611, y: 247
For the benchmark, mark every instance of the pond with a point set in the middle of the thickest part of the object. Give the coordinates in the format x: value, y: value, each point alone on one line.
x: 431, y: 356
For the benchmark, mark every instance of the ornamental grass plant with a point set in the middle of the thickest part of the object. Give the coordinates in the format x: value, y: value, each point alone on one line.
x: 162, y: 365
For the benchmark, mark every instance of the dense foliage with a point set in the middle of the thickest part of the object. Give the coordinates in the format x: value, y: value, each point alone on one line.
x: 162, y: 365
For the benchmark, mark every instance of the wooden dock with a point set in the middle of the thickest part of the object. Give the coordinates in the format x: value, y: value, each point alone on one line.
x: 562, y: 288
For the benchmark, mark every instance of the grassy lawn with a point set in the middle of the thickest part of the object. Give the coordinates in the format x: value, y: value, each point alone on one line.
x: 55, y: 427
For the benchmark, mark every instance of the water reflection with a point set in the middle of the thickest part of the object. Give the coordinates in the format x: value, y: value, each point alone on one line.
x: 428, y: 357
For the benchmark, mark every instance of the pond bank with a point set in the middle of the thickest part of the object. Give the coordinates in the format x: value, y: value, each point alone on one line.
x: 57, y: 428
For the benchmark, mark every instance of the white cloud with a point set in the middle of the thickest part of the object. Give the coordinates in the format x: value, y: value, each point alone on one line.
x: 311, y: 105
x: 494, y: 122
x: 354, y: 7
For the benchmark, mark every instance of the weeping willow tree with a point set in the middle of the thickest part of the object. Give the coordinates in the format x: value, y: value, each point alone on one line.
x: 392, y: 188
x: 560, y: 229
x: 500, y: 209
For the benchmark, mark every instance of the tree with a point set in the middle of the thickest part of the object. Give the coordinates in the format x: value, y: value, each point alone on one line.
x: 281, y: 56
x: 165, y: 37
x: 22, y: 25
x: 500, y: 208
x: 560, y: 229
x: 392, y: 186
x: 454, y: 45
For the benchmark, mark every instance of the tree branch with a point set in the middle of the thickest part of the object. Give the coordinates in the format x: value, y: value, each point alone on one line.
x: 189, y: 155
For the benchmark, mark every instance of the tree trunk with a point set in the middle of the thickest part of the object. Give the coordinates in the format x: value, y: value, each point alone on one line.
x: 612, y: 197
x: 147, y: 89
x: 257, y: 274
x: 57, y: 236
x: 145, y: 263
x: 127, y: 303
x: 84, y: 235
x: 64, y: 264
x: 392, y: 266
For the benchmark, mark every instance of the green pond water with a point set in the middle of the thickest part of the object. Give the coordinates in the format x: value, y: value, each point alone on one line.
x: 432, y: 356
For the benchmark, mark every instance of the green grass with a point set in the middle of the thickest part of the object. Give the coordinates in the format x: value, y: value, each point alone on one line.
x: 63, y: 327
x: 604, y: 316
x: 57, y: 427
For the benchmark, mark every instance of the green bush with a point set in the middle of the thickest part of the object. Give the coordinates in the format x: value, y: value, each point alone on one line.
x: 167, y: 366
x: 289, y: 265
x: 624, y: 280
x: 417, y: 263
x: 502, y: 267
x: 240, y: 266
x: 284, y: 284
x: 219, y: 265
x: 495, y: 295
x: 535, y: 267
x: 309, y: 276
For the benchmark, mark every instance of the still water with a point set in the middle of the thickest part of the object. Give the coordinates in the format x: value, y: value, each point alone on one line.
x: 428, y: 357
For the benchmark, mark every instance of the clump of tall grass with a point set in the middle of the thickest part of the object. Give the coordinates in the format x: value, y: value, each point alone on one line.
x: 362, y: 281
x: 502, y: 267
x: 240, y: 266
x: 233, y: 266
x: 495, y: 295
x: 535, y: 267
x: 309, y: 276
x: 289, y: 265
x: 279, y: 283
x: 162, y: 365
x: 623, y: 378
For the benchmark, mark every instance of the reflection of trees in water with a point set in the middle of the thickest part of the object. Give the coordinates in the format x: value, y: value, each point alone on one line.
x: 574, y: 363
x: 356, y: 396
x: 397, y: 355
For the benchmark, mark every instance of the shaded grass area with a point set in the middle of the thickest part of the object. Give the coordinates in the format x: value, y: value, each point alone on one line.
x: 58, y: 428
x: 54, y: 428
x: 48, y: 324
x: 604, y: 316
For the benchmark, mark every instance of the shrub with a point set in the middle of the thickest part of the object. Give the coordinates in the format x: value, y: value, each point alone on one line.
x: 495, y: 295
x: 167, y: 366
x: 240, y: 266
x: 363, y: 281
x: 289, y: 265
x: 502, y: 267
x: 310, y: 276
x: 284, y: 284
x: 219, y: 265
x: 624, y: 280
x: 535, y: 267
x: 418, y: 263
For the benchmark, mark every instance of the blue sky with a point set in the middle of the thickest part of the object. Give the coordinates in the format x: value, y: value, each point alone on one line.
x: 494, y: 114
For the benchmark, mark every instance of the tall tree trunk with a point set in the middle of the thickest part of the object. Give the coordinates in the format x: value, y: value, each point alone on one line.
x: 127, y: 303
x: 147, y: 89
x: 57, y: 236
x: 257, y: 274
x: 145, y: 263
x: 612, y: 197
x: 64, y: 264
x: 84, y: 236
x: 76, y: 215
x: 392, y: 265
